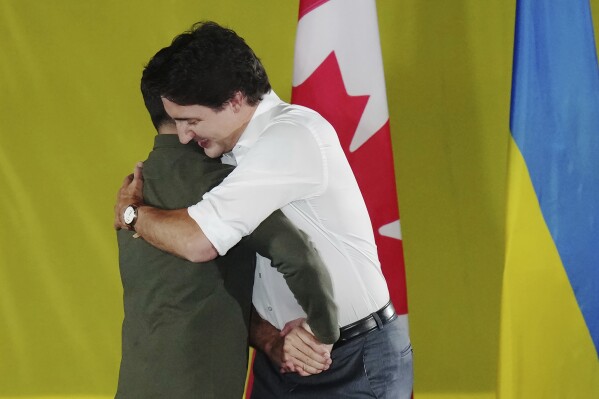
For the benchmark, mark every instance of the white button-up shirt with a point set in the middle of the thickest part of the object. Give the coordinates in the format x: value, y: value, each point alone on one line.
x: 289, y: 157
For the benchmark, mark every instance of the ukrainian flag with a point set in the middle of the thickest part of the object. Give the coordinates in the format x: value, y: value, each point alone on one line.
x: 550, y: 306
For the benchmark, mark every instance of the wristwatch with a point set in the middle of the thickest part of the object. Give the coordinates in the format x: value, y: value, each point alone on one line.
x: 130, y: 216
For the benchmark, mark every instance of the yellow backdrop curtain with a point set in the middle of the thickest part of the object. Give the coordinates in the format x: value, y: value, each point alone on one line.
x: 72, y: 125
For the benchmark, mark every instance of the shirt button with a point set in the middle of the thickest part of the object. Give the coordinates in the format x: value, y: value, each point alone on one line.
x: 259, y: 275
x: 269, y: 309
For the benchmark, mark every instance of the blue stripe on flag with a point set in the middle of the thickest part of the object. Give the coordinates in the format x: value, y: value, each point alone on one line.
x: 555, y: 122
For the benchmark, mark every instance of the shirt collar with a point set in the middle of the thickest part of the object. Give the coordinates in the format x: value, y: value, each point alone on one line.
x: 255, y: 127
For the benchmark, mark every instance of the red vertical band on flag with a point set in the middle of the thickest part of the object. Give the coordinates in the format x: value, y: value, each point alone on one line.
x: 308, y: 5
x: 249, y: 384
x: 372, y: 163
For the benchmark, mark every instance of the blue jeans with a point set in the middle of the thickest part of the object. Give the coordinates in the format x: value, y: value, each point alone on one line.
x: 375, y: 365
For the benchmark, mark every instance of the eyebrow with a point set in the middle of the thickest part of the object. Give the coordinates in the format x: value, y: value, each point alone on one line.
x: 186, y: 119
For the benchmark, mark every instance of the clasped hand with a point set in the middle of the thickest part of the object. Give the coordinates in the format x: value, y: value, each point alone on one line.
x: 298, y: 350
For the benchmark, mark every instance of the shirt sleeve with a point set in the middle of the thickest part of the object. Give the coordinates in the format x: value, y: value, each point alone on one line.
x: 285, y: 164
x: 294, y: 256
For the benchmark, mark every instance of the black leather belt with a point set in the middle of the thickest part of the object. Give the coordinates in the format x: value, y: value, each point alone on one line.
x: 369, y: 323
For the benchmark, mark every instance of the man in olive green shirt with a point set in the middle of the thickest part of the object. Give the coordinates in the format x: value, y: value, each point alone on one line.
x: 185, y: 332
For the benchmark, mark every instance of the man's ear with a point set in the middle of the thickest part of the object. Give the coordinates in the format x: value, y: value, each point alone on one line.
x: 237, y: 101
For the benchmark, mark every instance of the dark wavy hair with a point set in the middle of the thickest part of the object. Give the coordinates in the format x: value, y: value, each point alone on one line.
x: 206, y: 66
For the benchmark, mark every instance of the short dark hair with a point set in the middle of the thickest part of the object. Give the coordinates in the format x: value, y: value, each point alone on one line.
x: 152, y: 98
x: 156, y: 110
x: 207, y: 65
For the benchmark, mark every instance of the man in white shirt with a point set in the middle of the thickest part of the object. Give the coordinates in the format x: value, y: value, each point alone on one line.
x: 287, y: 157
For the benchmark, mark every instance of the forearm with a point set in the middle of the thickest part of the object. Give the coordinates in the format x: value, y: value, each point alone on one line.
x: 263, y: 335
x: 306, y: 275
x: 312, y: 288
x: 174, y: 231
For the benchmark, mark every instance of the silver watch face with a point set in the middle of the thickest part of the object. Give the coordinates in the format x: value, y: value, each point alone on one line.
x: 129, y: 214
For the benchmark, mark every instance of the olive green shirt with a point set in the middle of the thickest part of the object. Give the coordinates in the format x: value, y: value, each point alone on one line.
x: 185, y: 331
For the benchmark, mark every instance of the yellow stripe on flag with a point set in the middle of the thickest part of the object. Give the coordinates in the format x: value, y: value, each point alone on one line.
x: 546, y: 350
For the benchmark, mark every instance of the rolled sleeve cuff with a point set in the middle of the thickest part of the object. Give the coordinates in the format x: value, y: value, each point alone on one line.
x: 222, y: 236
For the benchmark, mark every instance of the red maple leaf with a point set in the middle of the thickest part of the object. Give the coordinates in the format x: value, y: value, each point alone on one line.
x: 372, y: 163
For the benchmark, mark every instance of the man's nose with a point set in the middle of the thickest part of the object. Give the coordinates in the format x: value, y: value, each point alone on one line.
x: 184, y: 133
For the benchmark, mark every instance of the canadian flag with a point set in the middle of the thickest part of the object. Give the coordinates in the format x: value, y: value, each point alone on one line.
x: 338, y: 72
